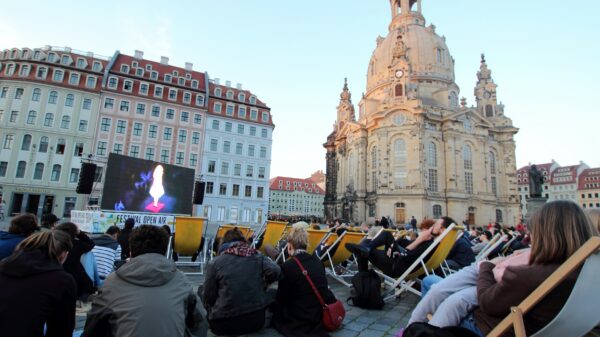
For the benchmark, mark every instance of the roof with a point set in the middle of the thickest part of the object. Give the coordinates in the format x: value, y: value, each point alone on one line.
x: 306, y: 185
x: 589, y: 179
x: 258, y: 105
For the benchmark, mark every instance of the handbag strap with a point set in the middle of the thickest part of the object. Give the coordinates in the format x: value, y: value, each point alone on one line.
x: 312, y: 285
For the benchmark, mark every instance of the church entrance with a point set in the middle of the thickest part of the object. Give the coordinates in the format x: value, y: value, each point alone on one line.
x: 400, y: 213
x: 471, y: 216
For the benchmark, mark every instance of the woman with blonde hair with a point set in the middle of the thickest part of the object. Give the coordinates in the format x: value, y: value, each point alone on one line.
x: 36, y: 288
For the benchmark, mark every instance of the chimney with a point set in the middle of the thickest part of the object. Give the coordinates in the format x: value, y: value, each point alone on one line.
x: 67, y: 49
x: 239, y: 86
x: 47, y: 47
x: 89, y: 54
x: 164, y: 60
x: 217, y: 81
x: 189, y: 66
x: 228, y: 83
x: 139, y: 54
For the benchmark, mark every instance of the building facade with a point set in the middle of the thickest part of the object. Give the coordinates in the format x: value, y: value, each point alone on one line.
x: 564, y: 182
x: 523, y: 183
x: 414, y: 149
x: 237, y: 156
x: 49, y: 102
x: 589, y: 188
x: 293, y: 197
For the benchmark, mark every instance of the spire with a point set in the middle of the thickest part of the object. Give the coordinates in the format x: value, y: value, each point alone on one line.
x: 484, y: 72
x: 346, y: 96
x: 345, y: 108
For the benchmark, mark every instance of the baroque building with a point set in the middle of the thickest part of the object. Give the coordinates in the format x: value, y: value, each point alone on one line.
x: 413, y: 149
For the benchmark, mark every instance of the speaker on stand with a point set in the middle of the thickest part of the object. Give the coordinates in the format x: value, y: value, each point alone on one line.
x: 85, y: 183
x: 199, y: 187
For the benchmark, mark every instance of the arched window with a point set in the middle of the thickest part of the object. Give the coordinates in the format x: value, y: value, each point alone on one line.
x: 66, y: 122
x: 489, y: 111
x: 437, y: 211
x: 431, y: 172
x: 21, y: 167
x: 49, y: 119
x: 43, y: 145
x: 69, y: 100
x: 432, y: 154
x: 229, y: 94
x: 468, y: 157
x: 453, y: 99
x: 400, y: 160
x: 26, y: 144
x: 55, y: 173
x: 399, y: 91
x: 499, y: 216
x: 468, y: 125
x: 35, y: 96
x: 52, y: 97
x: 374, y: 168
x: 31, y: 117
x: 493, y: 179
x: 492, y: 163
x: 39, y: 171
x: 241, y: 97
x: 218, y: 92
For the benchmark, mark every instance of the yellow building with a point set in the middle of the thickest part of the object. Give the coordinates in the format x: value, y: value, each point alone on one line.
x: 413, y: 149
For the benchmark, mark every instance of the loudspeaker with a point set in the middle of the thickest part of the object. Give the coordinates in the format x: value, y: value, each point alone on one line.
x: 199, y: 187
x: 86, y: 178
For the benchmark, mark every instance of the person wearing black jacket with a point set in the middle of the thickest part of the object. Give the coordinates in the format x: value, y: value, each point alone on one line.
x: 36, y: 290
x: 298, y: 312
x: 123, y: 238
x: 81, y: 245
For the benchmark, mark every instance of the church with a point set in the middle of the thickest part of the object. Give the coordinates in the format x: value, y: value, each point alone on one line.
x: 414, y: 148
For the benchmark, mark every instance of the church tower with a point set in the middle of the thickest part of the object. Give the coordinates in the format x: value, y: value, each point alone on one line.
x: 485, y: 91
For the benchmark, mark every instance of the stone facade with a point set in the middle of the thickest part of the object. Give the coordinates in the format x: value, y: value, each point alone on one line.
x: 413, y: 149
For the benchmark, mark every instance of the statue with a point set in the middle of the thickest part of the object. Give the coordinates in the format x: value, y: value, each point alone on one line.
x: 536, y: 180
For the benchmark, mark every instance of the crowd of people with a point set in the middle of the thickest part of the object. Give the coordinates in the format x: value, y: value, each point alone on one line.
x: 135, y: 290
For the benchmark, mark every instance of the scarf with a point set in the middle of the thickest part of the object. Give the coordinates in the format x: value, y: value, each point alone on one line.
x: 238, y: 248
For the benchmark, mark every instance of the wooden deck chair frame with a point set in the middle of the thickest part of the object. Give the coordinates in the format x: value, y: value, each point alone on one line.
x: 507, y: 246
x: 571, y: 310
x: 259, y: 232
x: 273, y: 232
x: 340, y: 255
x: 420, y: 267
x: 445, y: 268
x: 187, y: 242
x: 490, y: 242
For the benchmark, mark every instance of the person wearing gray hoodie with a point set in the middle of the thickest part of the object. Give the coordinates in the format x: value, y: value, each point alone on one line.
x: 147, y: 296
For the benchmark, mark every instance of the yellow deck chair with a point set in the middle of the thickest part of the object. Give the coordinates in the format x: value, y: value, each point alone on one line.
x: 315, y: 237
x: 187, y: 239
x: 274, y: 231
x: 340, y: 255
x: 442, y: 246
x: 246, y: 231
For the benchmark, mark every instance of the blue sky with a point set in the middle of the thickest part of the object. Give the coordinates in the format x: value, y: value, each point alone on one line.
x: 295, y: 54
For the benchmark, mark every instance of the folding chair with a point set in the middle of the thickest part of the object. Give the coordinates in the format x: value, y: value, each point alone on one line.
x: 272, y: 234
x: 246, y: 232
x: 340, y: 255
x: 579, y: 315
x: 492, y: 241
x: 484, y: 255
x: 442, y: 246
x: 507, y: 246
x: 186, y: 242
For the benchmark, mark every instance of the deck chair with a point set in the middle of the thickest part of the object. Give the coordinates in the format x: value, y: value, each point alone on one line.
x: 442, y: 246
x: 492, y: 241
x: 316, y: 237
x: 579, y: 314
x: 506, y: 248
x: 272, y: 234
x: 484, y: 255
x: 246, y: 231
x: 186, y: 242
x: 340, y: 255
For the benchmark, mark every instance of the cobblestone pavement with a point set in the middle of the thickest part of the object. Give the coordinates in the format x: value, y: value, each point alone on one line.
x: 358, y: 322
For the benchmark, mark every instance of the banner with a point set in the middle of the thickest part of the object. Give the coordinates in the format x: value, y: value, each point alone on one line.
x: 98, y: 222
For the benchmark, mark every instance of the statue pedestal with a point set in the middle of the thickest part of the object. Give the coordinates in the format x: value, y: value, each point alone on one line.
x: 533, y: 205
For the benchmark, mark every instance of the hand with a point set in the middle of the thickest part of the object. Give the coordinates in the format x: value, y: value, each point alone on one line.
x: 426, y: 235
x: 389, y: 252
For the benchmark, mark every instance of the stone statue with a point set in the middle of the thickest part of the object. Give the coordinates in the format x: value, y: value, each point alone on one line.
x: 536, y: 180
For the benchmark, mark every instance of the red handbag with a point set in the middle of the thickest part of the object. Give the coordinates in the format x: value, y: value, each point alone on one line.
x: 334, y: 313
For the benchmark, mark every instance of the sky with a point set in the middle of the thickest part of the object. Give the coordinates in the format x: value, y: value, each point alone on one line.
x: 294, y: 55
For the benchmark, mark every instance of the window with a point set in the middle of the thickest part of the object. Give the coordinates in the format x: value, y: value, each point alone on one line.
x: 101, y: 149
x: 400, y: 163
x: 225, y: 168
x: 21, y: 167
x: 226, y: 146
x: 152, y: 130
x: 137, y: 129
x: 229, y: 110
x: 49, y: 119
x: 65, y: 122
x: 185, y: 116
x: 26, y: 144
x: 4, y: 92
x: 105, y: 124
x: 124, y: 106
x: 242, y: 112
x: 43, y: 148
x: 98, y: 174
x: 172, y: 94
x: 182, y: 137
x: 118, y: 148
x: 499, y: 216
x: 209, y: 187
x: 263, y: 152
x: 489, y: 111
x: 433, y: 180
x: 437, y: 211
x: 260, y: 192
x: 248, y: 191
x: 42, y: 72
x: 58, y: 75
x: 467, y: 158
x: 213, y: 144
x: 238, y: 148
x: 74, y: 176
x: 252, y: 100
x: 168, y: 78
x: 235, y: 190
x: 164, y: 156
x: 223, y: 189
x: 3, y: 168
x: 69, y: 100
x: 139, y: 72
x: 38, y: 172
x: 197, y: 119
x: 170, y: 113
x: 121, y: 126
x: 195, y: 137
x: 80, y: 63
x: 253, y: 114
x: 87, y: 104
x: 140, y: 108
x: 14, y: 116
x: 113, y: 82
x: 218, y: 108
x: 65, y: 59
x: 251, y: 150
x: 74, y: 79
x: 124, y: 68
x: 158, y: 91
x: 240, y: 129
x: 19, y: 93
x: 218, y: 92
x: 199, y: 98
x: 31, y: 117
x: 193, y: 159
x: 237, y: 170
x: 263, y: 133
x: 83, y: 125
x: 187, y: 97
x: 492, y: 158
x: 155, y: 111
x: 134, y: 151
x: 179, y: 158
x: 144, y: 88
x: 149, y: 153
x: 215, y: 125
x: 228, y: 126
x: 167, y: 133
x: 154, y: 75
x: 265, y: 117
x: 261, y: 172
x: 440, y: 56
x: 78, y: 151
x: 469, y: 182
x: 432, y: 154
x: 249, y: 171
x: 494, y: 186
x: 24, y: 71
x: 97, y: 66
x: 35, y: 96
x: 53, y: 97
x: 211, y: 166
x: 109, y: 103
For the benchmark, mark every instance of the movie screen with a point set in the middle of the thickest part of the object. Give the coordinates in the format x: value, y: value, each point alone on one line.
x: 138, y: 185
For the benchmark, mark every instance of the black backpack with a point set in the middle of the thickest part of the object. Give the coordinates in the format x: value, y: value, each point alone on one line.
x: 367, y: 290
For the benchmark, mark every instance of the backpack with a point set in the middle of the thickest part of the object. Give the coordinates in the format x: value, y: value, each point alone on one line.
x: 367, y: 290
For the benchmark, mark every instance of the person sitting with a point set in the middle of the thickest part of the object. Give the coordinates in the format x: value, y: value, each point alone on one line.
x: 482, y: 241
x: 107, y: 251
x: 21, y: 227
x: 298, y: 312
x: 274, y: 252
x: 48, y: 222
x: 461, y: 254
x: 558, y: 229
x: 394, y: 260
x: 81, y: 245
x: 234, y: 291
x: 594, y: 214
x: 123, y: 238
x: 36, y: 291
x: 147, y: 296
